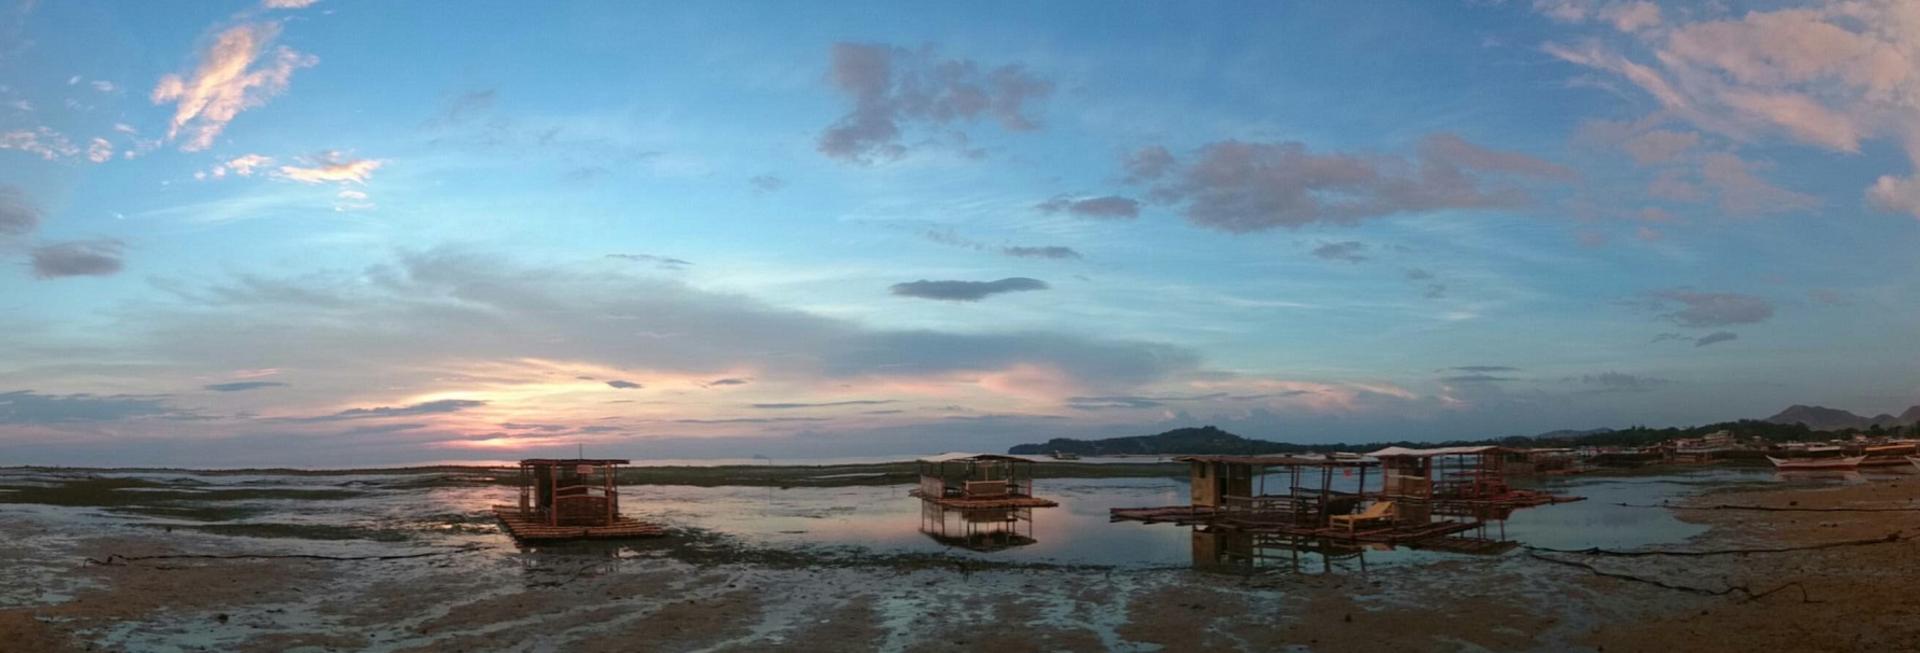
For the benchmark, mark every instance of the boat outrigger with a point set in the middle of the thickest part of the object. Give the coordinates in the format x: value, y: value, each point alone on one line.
x: 1809, y: 464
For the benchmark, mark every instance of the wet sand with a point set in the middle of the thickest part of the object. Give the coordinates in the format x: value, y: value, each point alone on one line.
x: 695, y: 591
x: 1856, y: 598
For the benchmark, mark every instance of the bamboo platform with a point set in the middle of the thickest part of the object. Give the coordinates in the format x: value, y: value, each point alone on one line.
x: 986, y: 504
x: 526, y: 528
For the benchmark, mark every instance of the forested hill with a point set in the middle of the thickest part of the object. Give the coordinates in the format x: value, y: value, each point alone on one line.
x: 1211, y: 440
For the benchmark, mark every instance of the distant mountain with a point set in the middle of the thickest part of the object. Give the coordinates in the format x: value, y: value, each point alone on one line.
x: 1203, y: 440
x: 1821, y: 418
x: 1796, y: 423
x: 1570, y: 434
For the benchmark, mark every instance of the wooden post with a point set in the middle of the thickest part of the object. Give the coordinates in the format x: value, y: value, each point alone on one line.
x: 553, y: 494
x: 1326, y: 487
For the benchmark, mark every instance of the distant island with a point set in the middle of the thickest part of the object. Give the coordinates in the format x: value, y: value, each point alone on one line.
x: 1796, y: 423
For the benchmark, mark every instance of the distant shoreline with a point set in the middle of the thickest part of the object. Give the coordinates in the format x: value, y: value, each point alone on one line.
x: 821, y: 475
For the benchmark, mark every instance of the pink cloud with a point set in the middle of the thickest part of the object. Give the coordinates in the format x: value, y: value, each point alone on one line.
x: 228, y: 81
x: 332, y: 167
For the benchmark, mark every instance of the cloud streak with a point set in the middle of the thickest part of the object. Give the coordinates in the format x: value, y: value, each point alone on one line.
x: 29, y: 407
x: 243, y: 386
x: 18, y: 215
x: 438, y: 407
x: 331, y: 167
x: 1242, y: 187
x: 1110, y: 207
x: 84, y: 258
x: 965, y: 291
x: 1690, y: 308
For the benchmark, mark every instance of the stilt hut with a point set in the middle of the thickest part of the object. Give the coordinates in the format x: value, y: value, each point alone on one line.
x: 570, y: 498
x: 1316, y: 498
x: 978, y: 481
x: 1452, y: 481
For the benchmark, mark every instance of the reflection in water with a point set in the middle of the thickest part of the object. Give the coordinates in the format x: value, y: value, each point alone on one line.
x: 977, y: 529
x: 554, y: 564
x: 1236, y: 551
x: 1844, y: 476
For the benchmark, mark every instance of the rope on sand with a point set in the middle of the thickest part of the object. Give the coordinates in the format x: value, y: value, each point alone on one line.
x: 1890, y: 538
x: 1536, y: 551
x: 1702, y: 591
x: 122, y: 560
x: 1764, y: 508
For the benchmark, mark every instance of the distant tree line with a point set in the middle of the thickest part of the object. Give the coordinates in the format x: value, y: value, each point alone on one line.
x: 1212, y: 440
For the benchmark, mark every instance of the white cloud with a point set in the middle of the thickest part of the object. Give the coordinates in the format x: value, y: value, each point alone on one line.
x: 99, y: 150
x: 332, y: 167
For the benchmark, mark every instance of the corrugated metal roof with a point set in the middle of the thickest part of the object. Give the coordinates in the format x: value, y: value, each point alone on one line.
x: 952, y: 456
x: 1281, y: 461
x: 574, y: 461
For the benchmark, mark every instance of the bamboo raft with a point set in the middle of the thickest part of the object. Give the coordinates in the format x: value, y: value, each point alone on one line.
x: 527, y: 527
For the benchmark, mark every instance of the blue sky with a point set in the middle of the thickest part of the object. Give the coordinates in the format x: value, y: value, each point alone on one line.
x: 352, y: 233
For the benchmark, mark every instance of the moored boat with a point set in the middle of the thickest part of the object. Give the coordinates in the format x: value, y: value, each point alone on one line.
x: 1800, y: 464
x: 1891, y: 453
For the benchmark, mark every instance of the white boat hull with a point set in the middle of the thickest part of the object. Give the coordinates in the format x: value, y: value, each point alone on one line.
x: 1799, y: 464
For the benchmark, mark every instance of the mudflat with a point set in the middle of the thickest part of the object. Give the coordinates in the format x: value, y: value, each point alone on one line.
x: 365, y: 582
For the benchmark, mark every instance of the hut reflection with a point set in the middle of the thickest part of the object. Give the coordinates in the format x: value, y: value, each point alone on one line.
x: 977, y: 529
x: 1229, y: 550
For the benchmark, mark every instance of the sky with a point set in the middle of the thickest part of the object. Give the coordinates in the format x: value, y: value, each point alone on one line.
x: 340, y: 233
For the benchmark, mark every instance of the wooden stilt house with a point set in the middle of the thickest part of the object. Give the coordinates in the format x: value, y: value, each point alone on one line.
x: 978, y: 481
x: 570, y: 498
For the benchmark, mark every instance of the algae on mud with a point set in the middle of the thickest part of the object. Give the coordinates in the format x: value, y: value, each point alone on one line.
x: 827, y: 567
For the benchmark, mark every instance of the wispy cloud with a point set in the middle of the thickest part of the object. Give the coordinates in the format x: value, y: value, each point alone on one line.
x: 1049, y: 251
x: 1108, y: 207
x: 1620, y: 382
x: 823, y: 404
x: 242, y: 386
x: 664, y: 262
x: 1691, y: 308
x: 1242, y: 187
x: 19, y: 216
x: 1349, y: 251
x: 1056, y: 252
x: 331, y: 167
x: 766, y: 183
x: 227, y: 81
x: 29, y: 407
x: 424, y: 408
x: 1717, y: 336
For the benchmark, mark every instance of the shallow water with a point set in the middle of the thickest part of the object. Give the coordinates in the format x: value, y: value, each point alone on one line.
x: 853, y: 520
